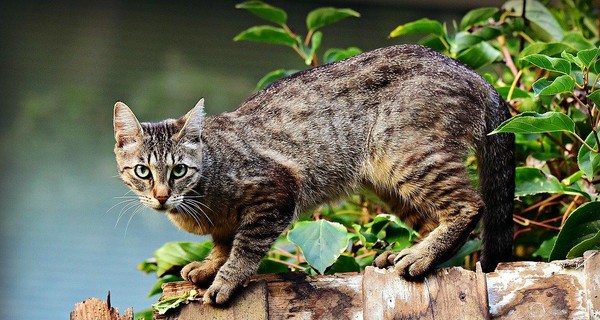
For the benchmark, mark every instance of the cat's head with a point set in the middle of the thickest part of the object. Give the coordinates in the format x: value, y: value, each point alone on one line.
x: 161, y: 161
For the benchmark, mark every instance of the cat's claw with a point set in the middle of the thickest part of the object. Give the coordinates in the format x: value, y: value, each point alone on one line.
x: 219, y: 293
x: 413, y: 263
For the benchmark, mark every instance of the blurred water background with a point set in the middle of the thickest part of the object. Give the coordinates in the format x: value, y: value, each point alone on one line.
x: 63, y: 65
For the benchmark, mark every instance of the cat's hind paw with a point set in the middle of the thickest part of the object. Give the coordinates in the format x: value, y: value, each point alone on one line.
x: 219, y: 293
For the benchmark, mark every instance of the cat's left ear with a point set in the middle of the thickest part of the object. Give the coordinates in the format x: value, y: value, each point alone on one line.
x: 192, y: 121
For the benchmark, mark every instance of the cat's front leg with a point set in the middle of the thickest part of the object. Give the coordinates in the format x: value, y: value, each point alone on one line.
x: 252, y: 241
x: 203, y: 272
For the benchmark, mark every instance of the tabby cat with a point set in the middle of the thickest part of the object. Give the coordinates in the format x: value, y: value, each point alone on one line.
x: 399, y: 121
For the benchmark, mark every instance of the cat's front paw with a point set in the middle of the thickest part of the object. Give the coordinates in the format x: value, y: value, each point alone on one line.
x: 413, y: 262
x: 220, y: 292
x: 386, y: 259
x: 199, y: 272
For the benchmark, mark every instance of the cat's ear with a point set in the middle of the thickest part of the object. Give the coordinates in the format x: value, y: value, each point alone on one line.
x: 192, y: 121
x: 127, y: 127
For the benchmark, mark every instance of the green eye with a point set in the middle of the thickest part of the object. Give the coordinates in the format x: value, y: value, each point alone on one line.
x: 142, y: 171
x: 179, y: 171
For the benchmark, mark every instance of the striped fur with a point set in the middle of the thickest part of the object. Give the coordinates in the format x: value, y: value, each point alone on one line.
x: 398, y: 120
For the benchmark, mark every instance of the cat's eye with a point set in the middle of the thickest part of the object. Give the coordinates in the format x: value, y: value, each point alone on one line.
x: 142, y: 171
x: 179, y: 171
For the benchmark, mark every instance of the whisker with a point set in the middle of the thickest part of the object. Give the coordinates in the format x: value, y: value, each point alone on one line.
x: 138, y: 209
x: 126, y: 208
x: 122, y: 202
x: 196, y: 204
x: 189, y: 211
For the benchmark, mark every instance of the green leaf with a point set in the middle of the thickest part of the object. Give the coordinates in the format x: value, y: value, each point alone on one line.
x: 533, y: 122
x: 157, y: 287
x: 573, y: 59
x: 548, y: 63
x: 477, y: 16
x: 479, y: 55
x: 577, y: 41
x: 321, y: 17
x: 265, y: 11
x: 587, y: 57
x: 420, y: 26
x: 587, y: 160
x: 272, y: 76
x: 267, y: 34
x: 561, y: 84
x: 315, y: 44
x: 530, y: 181
x: 322, y: 242
x: 344, y: 264
x: 545, y: 248
x: 572, y: 178
x: 592, y: 243
x: 179, y: 254
x: 583, y: 224
x: 459, y: 258
x: 464, y: 40
x: 545, y: 48
x: 595, y: 97
x: 517, y: 93
x: 333, y: 55
x: 174, y: 302
x: 540, y: 19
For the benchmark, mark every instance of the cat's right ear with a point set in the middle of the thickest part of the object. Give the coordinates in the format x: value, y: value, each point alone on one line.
x: 127, y: 127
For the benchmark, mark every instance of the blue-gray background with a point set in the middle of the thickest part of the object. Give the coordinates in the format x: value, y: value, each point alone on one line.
x: 63, y: 64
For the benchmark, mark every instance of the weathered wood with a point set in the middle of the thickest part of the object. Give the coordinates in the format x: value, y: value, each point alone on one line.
x: 537, y: 290
x: 452, y: 293
x: 519, y: 290
x: 592, y: 273
x: 299, y: 296
x: 250, y: 304
x: 96, y: 309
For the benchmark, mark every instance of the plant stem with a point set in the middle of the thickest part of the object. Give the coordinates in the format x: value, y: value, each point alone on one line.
x: 507, y: 57
x: 569, y: 209
x: 514, y: 84
x: 526, y: 222
x: 541, y: 203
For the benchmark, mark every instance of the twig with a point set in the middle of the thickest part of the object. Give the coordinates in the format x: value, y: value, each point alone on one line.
x: 507, y: 57
x: 541, y: 203
x: 569, y: 209
x: 526, y: 222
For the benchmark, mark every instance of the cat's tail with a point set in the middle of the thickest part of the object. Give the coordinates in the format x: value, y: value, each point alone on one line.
x: 496, y: 165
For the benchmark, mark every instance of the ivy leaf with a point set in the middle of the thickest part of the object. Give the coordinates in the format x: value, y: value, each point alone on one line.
x: 321, y: 17
x: 272, y: 76
x: 344, y: 264
x: 595, y: 97
x: 587, y: 57
x: 541, y: 20
x: 333, y: 55
x: 268, y: 34
x: 173, y: 254
x: 553, y: 64
x: 420, y: 26
x: 265, y: 11
x: 561, y: 84
x: 587, y: 160
x: 479, y: 55
x: 533, y: 122
x: 315, y: 44
x: 580, y: 230
x: 592, y: 243
x: 322, y: 242
x: 545, y: 248
x: 530, y: 181
x: 477, y: 16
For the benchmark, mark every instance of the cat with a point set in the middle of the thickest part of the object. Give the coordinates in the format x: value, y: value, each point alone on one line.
x: 399, y: 121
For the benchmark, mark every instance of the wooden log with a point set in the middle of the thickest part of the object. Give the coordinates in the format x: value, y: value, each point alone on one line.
x: 249, y: 304
x: 96, y: 309
x: 537, y: 290
x: 452, y: 293
x: 591, y: 270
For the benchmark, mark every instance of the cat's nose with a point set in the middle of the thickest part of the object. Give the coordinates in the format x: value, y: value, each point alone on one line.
x: 162, y: 199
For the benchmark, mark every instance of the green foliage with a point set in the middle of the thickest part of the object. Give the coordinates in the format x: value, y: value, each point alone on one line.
x: 282, y: 34
x: 544, y: 62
